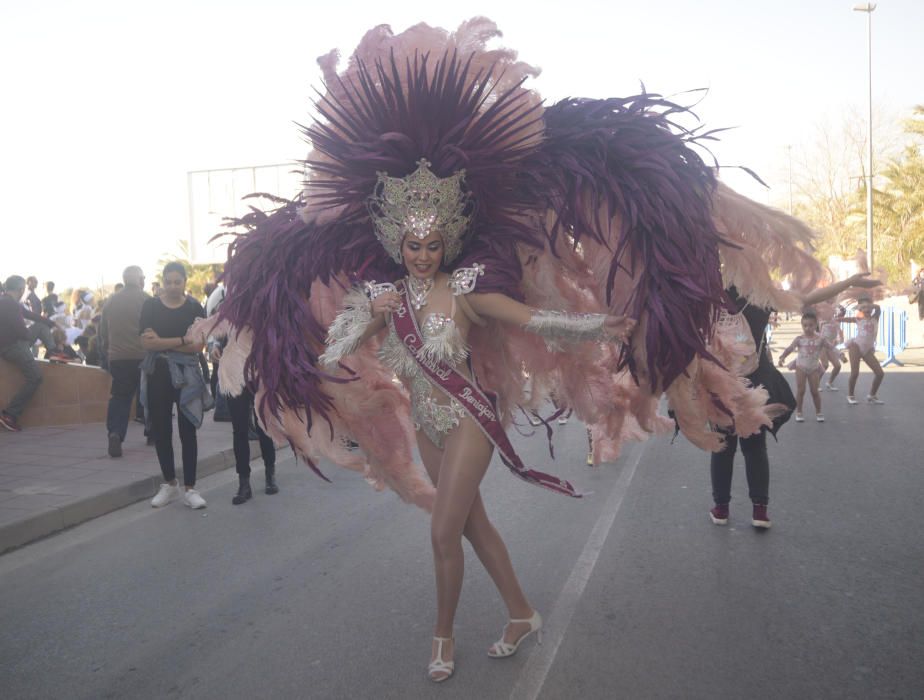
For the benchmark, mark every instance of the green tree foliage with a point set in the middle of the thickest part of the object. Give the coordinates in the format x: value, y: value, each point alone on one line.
x: 831, y: 185
x: 899, y: 206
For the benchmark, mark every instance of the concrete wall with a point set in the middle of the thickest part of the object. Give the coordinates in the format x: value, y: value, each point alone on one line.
x: 69, y: 394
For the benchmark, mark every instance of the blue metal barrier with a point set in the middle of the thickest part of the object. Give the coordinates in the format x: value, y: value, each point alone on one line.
x: 892, y: 337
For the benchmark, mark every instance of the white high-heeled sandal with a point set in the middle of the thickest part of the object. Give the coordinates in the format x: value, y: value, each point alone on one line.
x: 502, y: 649
x: 438, y: 666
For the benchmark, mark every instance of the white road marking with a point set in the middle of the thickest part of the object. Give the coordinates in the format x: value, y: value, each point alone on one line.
x: 534, y: 673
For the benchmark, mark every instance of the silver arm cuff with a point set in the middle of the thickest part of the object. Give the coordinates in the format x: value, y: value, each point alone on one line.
x: 346, y: 332
x: 558, y: 326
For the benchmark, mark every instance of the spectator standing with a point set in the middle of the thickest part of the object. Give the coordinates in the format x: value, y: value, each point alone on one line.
x: 50, y: 301
x: 242, y: 417
x: 32, y: 300
x: 16, y: 343
x: 120, y: 334
x: 171, y: 376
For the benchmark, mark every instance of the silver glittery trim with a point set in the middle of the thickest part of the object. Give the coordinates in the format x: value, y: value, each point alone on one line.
x: 374, y: 290
x: 419, y: 204
x: 557, y: 326
x: 463, y: 280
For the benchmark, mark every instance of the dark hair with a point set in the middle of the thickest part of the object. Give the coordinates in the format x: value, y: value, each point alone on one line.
x: 50, y: 286
x: 864, y: 297
x: 810, y: 314
x: 14, y: 282
x: 174, y: 267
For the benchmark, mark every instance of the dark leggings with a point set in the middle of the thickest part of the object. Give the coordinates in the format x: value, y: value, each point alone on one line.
x: 241, y: 410
x: 162, y: 397
x: 756, y: 464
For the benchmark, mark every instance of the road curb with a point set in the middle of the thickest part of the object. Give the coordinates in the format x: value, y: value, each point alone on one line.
x: 35, y: 527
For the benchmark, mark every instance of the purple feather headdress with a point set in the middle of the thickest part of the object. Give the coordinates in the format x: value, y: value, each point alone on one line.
x: 617, y: 172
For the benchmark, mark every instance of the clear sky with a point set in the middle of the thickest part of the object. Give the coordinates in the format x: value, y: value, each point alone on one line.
x: 107, y: 105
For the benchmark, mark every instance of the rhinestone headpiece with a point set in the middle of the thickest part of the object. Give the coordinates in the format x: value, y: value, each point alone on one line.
x: 419, y: 204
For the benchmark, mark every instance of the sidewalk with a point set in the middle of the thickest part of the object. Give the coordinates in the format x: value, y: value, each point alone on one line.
x: 52, y: 478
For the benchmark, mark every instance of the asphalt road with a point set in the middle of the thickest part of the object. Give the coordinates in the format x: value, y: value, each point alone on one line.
x: 325, y: 590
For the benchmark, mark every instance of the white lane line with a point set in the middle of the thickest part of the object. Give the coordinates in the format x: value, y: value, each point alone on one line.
x: 534, y: 673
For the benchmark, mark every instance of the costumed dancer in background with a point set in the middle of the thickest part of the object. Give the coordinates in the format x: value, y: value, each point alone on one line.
x: 809, y: 347
x: 442, y: 195
x: 832, y: 331
x: 863, y: 347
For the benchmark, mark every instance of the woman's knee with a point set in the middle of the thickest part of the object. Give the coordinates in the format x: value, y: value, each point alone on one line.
x: 445, y: 537
x: 754, y: 444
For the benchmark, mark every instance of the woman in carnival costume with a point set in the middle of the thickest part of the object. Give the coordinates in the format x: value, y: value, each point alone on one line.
x: 446, y: 211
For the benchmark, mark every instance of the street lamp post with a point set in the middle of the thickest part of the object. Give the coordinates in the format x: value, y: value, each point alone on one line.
x: 868, y: 9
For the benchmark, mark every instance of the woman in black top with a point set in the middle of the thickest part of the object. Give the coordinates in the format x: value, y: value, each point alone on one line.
x: 164, y: 322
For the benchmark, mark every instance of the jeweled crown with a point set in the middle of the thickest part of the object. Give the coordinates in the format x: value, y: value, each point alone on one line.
x: 419, y: 204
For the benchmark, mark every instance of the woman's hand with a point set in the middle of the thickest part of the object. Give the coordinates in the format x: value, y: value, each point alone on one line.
x: 150, y: 334
x: 387, y: 302
x: 620, y: 327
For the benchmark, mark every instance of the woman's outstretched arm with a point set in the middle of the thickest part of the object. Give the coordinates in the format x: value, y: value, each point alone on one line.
x: 861, y: 279
x: 553, y: 325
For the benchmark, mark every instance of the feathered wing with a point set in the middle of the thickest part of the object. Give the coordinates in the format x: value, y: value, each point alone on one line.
x: 764, y: 239
x: 588, y: 205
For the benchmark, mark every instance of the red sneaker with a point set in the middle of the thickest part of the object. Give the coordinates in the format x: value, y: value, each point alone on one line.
x: 719, y: 514
x: 760, y: 517
x: 9, y: 422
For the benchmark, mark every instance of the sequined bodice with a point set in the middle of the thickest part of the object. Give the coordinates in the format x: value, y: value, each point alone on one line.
x: 442, y: 343
x: 829, y: 331
x: 867, y: 328
x: 809, y: 351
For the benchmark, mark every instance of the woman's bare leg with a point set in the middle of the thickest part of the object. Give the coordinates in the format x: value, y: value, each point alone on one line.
x: 466, y: 455
x: 800, y: 389
x: 813, y: 380
x: 854, y: 354
x: 835, y: 370
x: 432, y: 456
x: 488, y: 546
x: 873, y: 363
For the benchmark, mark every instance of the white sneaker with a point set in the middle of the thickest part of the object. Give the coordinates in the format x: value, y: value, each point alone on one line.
x: 165, y: 494
x: 820, y: 418
x: 852, y: 401
x: 874, y: 399
x: 799, y: 418
x: 563, y: 421
x: 193, y: 499
x: 831, y: 388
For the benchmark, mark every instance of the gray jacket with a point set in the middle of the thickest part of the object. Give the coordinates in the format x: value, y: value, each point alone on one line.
x: 186, y: 376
